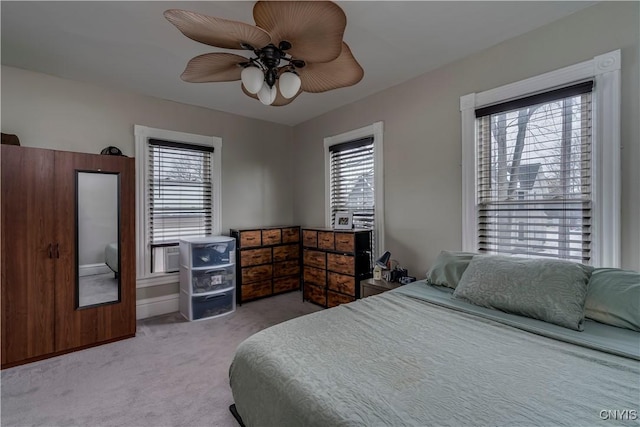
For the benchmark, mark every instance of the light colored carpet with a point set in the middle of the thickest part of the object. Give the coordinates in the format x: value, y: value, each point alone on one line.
x: 173, y: 373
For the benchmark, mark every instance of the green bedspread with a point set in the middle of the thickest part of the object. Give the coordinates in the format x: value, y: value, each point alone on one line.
x: 396, y: 360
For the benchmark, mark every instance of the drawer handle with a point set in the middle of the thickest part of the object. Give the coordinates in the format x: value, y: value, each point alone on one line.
x: 212, y: 271
x: 210, y: 297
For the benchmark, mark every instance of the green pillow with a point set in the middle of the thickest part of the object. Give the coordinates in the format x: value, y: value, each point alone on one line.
x: 614, y: 298
x: 543, y: 289
x: 448, y: 268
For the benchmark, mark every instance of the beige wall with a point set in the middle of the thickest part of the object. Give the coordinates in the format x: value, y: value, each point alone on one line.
x: 49, y: 112
x: 422, y: 148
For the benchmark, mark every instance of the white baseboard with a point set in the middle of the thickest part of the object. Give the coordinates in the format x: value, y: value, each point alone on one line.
x: 150, y: 307
x: 92, y: 269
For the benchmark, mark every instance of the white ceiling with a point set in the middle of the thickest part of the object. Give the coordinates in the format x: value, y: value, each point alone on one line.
x: 129, y: 45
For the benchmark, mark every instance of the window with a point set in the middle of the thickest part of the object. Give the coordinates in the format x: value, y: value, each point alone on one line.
x: 179, y: 191
x: 541, y: 165
x: 178, y: 179
x: 534, y: 175
x: 354, y: 180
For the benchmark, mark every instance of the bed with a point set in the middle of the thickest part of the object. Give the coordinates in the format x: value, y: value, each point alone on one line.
x: 416, y: 356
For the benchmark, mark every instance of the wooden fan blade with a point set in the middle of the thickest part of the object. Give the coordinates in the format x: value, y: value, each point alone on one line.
x: 217, y: 32
x: 314, y: 28
x: 214, y: 67
x: 280, y: 100
x: 342, y: 72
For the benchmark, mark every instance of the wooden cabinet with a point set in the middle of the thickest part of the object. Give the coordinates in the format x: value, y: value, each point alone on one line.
x: 40, y: 312
x: 268, y: 261
x: 333, y: 263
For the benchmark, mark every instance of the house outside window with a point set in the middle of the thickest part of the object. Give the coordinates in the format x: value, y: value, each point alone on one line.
x: 353, y: 165
x: 541, y: 166
x: 178, y: 177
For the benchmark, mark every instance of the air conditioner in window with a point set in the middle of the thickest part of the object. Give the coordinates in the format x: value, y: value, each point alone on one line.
x: 172, y: 259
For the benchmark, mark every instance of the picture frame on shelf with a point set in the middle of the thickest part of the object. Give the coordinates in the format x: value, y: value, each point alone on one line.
x: 343, y: 221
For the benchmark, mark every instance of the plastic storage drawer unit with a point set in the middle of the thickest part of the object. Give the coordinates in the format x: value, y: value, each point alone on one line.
x: 207, y: 277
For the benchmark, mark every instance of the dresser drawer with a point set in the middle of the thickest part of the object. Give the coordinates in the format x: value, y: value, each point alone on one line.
x: 250, y: 238
x: 345, y: 242
x: 255, y: 274
x: 315, y: 258
x: 342, y: 283
x: 310, y: 238
x: 271, y: 237
x: 284, y: 284
x: 286, y: 252
x: 256, y: 290
x: 315, y: 276
x: 255, y: 257
x: 286, y: 268
x: 341, y: 263
x: 325, y: 240
x: 290, y: 235
x: 316, y: 294
x: 334, y: 299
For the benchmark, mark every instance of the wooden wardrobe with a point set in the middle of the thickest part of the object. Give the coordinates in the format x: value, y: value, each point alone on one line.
x: 39, y: 289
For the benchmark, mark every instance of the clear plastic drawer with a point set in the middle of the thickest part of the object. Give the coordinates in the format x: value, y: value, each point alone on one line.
x: 210, y: 254
x: 211, y: 280
x: 212, y: 305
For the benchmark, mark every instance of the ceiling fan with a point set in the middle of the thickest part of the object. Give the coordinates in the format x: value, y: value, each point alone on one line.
x: 298, y: 47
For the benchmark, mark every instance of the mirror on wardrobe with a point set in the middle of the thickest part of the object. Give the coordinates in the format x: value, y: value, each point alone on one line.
x: 97, y: 237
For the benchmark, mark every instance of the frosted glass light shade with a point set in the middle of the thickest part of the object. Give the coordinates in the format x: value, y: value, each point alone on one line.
x: 267, y: 94
x: 289, y: 84
x: 252, y: 79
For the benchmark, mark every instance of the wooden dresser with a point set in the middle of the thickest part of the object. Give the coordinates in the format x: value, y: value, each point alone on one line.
x: 268, y: 261
x: 334, y: 263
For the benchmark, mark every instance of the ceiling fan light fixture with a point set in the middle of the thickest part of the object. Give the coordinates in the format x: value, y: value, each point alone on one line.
x: 252, y: 79
x: 267, y: 94
x: 284, y: 33
x: 289, y: 84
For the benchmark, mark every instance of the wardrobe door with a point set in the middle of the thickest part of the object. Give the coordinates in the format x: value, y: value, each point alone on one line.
x: 81, y: 324
x: 28, y: 253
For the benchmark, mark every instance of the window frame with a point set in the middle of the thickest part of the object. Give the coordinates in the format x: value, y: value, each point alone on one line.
x: 374, y: 130
x: 606, y: 186
x: 143, y: 251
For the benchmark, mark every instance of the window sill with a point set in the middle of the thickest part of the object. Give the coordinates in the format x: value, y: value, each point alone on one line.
x: 160, y: 279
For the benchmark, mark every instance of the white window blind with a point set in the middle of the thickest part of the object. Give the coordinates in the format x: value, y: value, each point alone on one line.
x: 179, y: 191
x: 352, y: 181
x: 534, y: 194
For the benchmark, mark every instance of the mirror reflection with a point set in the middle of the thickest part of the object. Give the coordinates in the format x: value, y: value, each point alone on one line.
x: 98, y: 260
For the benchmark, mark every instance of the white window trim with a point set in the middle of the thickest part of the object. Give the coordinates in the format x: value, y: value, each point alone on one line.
x: 605, y: 70
x: 143, y: 254
x: 376, y: 131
